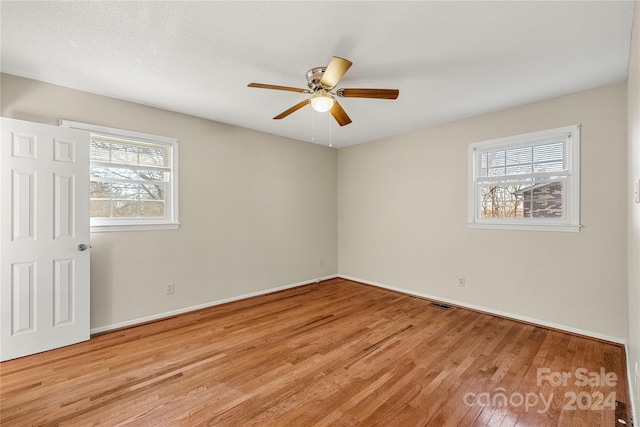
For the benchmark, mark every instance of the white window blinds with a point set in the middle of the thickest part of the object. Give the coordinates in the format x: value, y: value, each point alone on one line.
x: 133, y: 179
x: 526, y: 181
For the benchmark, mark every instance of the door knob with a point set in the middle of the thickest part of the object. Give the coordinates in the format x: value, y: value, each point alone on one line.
x: 82, y: 247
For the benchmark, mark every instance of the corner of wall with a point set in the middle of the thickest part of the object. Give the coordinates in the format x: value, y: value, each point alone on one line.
x: 633, y: 99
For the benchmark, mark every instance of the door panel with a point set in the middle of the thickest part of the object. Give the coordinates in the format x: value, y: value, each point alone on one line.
x: 44, y: 206
x: 23, y: 205
x: 63, y: 291
x: 22, y: 292
x: 63, y: 201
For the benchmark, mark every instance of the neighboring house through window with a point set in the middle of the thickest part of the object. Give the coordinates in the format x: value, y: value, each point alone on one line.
x: 134, y: 179
x: 529, y: 181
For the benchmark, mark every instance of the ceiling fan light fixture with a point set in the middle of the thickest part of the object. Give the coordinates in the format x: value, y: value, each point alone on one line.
x: 322, y: 101
x: 321, y: 81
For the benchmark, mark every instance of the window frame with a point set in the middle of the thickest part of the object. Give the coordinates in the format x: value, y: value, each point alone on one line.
x: 171, y: 219
x: 571, y: 175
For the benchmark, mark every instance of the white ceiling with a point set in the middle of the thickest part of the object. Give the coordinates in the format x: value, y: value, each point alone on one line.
x: 450, y: 60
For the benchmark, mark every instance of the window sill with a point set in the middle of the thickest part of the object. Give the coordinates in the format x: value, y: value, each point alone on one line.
x: 133, y: 227
x: 527, y: 227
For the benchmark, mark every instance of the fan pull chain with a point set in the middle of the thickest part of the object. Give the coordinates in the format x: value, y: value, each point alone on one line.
x: 330, y: 140
x: 313, y: 125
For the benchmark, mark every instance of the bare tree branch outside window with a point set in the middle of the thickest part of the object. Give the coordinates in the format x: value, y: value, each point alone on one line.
x: 128, y: 179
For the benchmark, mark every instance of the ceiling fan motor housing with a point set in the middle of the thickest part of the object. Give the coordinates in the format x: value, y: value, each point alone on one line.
x: 314, y: 76
x: 321, y: 82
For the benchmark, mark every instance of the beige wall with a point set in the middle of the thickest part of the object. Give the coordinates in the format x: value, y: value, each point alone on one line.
x: 257, y: 211
x: 634, y: 208
x: 402, y: 209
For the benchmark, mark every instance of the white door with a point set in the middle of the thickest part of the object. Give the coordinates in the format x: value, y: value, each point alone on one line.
x: 44, y: 237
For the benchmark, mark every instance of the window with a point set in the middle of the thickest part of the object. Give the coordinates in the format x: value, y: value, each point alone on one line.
x: 134, y: 179
x: 528, y: 182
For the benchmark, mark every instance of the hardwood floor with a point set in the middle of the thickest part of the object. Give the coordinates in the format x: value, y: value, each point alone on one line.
x: 338, y: 353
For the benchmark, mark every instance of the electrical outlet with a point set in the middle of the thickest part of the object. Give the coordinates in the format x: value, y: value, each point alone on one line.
x: 461, y: 281
x: 169, y: 288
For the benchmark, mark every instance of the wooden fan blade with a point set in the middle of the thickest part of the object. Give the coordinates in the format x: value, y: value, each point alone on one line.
x: 339, y: 114
x: 334, y: 72
x: 368, y: 93
x: 295, y: 108
x: 288, y: 88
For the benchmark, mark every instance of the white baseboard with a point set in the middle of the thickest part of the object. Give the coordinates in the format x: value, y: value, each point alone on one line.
x: 158, y: 316
x: 492, y: 311
x: 368, y: 282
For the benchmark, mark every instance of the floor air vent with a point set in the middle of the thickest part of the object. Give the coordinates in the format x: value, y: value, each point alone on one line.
x: 440, y: 306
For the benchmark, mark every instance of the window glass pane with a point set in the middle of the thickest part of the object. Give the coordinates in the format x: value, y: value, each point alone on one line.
x: 541, y: 158
x: 482, y: 165
x: 123, y: 173
x: 154, y: 156
x: 491, y: 205
x: 144, y: 175
x: 121, y: 190
x: 98, y: 172
x: 130, y: 152
x: 129, y: 200
x: 123, y: 153
x: 513, y: 201
x: 99, y: 208
x: 125, y: 209
x: 496, y: 171
x: 151, y: 209
x: 501, y: 201
x: 129, y: 174
x: 548, y: 152
x: 151, y: 192
x: 518, y: 169
x: 496, y: 158
x: 483, y: 161
x: 549, y: 167
x: 546, y: 201
x: 518, y: 156
x: 99, y: 190
x: 522, y: 200
x: 100, y: 151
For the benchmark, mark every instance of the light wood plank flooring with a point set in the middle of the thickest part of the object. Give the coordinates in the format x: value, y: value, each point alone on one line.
x: 337, y: 353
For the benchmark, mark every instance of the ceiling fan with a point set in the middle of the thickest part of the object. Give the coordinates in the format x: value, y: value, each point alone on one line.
x: 321, y: 82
